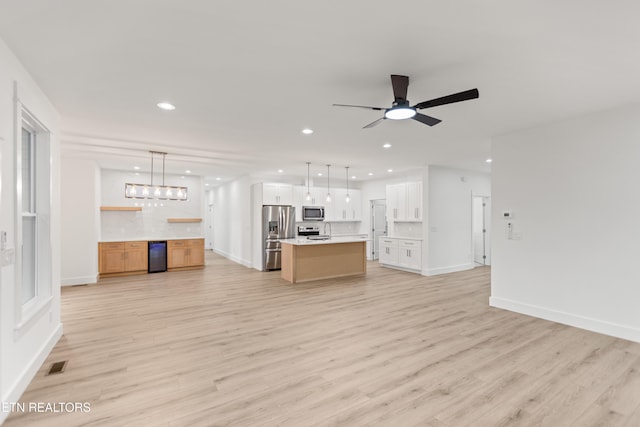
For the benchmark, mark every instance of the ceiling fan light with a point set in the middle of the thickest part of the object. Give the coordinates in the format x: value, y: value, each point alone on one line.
x: 400, y: 113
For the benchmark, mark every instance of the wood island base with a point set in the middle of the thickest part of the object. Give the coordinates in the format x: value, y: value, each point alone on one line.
x: 307, y: 262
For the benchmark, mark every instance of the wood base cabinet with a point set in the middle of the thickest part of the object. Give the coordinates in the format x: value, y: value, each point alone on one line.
x: 122, y: 258
x: 183, y: 254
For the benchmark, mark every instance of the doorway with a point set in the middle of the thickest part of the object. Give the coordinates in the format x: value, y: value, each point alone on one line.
x: 378, y: 224
x: 209, y: 227
x: 480, y: 230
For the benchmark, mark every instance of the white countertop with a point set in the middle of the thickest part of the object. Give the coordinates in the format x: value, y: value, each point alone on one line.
x: 300, y: 241
x: 145, y: 239
x: 401, y: 238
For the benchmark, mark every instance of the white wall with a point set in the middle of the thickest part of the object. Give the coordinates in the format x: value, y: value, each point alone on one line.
x: 22, y: 352
x: 151, y: 222
x: 449, y: 207
x: 573, y: 190
x: 232, y: 220
x: 80, y: 220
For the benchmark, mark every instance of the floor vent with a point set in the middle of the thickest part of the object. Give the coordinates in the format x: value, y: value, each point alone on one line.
x: 57, y: 367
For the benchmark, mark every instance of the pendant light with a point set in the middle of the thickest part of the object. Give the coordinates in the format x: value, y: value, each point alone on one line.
x: 308, y: 196
x: 143, y: 191
x: 347, y: 198
x: 328, y: 192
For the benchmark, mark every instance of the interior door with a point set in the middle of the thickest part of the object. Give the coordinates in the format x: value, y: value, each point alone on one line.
x: 209, y: 227
x: 378, y: 225
x: 481, y: 241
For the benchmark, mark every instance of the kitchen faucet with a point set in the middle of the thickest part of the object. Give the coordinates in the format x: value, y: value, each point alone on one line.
x: 325, y: 228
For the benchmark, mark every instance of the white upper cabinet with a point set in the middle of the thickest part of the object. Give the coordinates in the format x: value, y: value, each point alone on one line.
x: 396, y: 202
x: 404, y: 202
x: 414, y: 201
x: 277, y: 194
x: 318, y: 196
x: 347, y: 211
x: 298, y: 198
x: 336, y: 210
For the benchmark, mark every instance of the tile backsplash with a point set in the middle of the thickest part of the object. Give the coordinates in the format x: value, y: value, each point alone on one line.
x: 151, y: 222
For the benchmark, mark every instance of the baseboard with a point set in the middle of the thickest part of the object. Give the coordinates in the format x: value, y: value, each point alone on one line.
x: 80, y: 280
x: 234, y: 258
x: 15, y: 392
x: 397, y: 267
x: 587, y: 323
x: 448, y: 269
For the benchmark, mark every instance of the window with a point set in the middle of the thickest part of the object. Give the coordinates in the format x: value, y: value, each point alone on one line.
x: 29, y: 215
x: 33, y: 224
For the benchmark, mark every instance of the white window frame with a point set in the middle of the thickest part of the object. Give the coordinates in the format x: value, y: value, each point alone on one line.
x: 27, y: 313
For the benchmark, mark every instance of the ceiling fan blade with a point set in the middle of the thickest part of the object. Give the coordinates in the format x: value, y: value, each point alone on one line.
x: 427, y: 120
x: 359, y: 106
x: 400, y: 85
x: 449, y: 99
x: 372, y: 124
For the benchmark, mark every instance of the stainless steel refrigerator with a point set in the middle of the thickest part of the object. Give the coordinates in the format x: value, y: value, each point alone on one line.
x: 278, y: 222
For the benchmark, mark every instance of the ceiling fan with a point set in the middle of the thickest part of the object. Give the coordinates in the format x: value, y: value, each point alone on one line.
x: 400, y: 109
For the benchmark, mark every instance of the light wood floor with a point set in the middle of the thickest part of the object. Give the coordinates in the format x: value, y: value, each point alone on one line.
x: 230, y: 346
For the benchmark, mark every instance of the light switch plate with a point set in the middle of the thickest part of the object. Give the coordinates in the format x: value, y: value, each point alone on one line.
x: 7, y: 257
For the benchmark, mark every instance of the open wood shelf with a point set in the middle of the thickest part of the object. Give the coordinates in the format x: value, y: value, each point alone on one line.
x: 184, y: 219
x: 120, y: 208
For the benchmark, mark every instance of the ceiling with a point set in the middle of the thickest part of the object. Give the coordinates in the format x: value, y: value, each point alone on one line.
x: 247, y: 77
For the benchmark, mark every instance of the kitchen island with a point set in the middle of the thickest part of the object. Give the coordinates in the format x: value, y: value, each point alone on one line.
x: 305, y: 260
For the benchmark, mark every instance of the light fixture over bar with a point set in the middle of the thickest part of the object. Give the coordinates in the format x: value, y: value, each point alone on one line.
x: 150, y: 191
x: 160, y: 192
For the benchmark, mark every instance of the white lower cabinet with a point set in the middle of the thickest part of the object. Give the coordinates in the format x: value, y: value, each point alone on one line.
x: 410, y: 254
x: 388, y: 251
x: 405, y: 254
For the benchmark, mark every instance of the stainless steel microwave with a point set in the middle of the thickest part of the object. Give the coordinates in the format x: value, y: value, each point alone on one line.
x: 313, y: 213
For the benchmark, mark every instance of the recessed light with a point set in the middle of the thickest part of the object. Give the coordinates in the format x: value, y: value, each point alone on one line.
x: 370, y: 174
x: 319, y: 173
x: 166, y: 106
x: 353, y: 177
x: 218, y: 179
x: 389, y: 170
x: 280, y: 171
x: 307, y: 131
x: 489, y: 160
x: 206, y: 184
x: 137, y: 168
x: 387, y: 145
x: 187, y: 171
